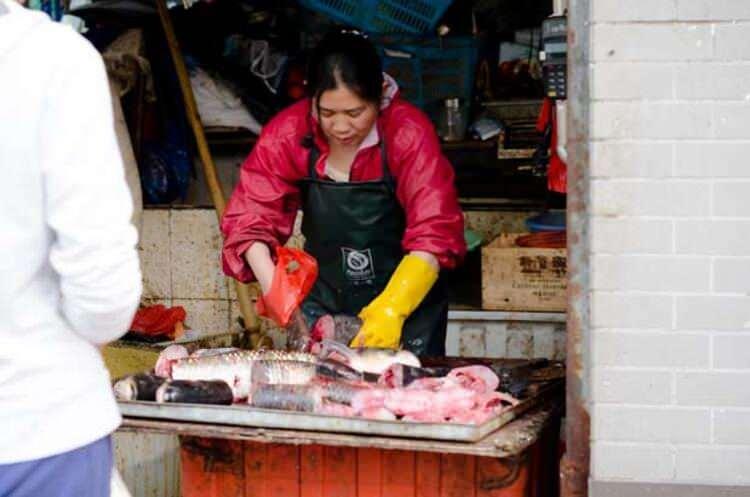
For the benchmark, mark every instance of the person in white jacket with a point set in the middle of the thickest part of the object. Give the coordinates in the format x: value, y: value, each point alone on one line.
x: 69, y: 273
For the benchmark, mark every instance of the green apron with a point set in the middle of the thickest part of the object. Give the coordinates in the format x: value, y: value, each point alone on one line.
x: 354, y: 230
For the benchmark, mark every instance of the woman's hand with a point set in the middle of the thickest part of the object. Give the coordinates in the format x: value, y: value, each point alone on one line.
x: 285, y: 283
x: 258, y: 257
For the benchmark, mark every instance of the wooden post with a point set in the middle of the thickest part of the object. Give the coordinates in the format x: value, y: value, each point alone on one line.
x: 209, y: 168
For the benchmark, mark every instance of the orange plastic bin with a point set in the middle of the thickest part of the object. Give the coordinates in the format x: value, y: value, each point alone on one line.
x: 214, y: 467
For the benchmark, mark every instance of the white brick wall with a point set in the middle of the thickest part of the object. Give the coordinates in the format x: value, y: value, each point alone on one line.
x: 670, y: 240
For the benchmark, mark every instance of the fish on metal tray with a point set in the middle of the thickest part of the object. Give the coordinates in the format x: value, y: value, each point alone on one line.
x: 479, y: 378
x: 378, y: 414
x: 195, y: 392
x: 335, y: 409
x: 374, y: 361
x: 297, y: 332
x: 283, y: 372
x: 401, y: 375
x: 138, y: 387
x: 300, y: 398
x: 341, y: 392
x: 235, y: 368
x: 341, y: 328
x: 336, y: 370
x: 168, y: 357
x: 216, y: 351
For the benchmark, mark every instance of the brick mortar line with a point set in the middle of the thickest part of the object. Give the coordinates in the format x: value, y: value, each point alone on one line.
x: 670, y: 293
x: 671, y: 141
x: 676, y: 218
x: 672, y: 22
x: 673, y: 369
x: 678, y: 445
x: 677, y: 100
x: 679, y: 407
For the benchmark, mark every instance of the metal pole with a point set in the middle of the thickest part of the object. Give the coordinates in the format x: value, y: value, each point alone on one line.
x: 575, y: 465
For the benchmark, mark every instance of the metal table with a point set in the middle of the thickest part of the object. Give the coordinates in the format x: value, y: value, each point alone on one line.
x: 507, y: 441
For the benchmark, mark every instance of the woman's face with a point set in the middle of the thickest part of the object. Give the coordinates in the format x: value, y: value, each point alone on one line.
x: 346, y: 119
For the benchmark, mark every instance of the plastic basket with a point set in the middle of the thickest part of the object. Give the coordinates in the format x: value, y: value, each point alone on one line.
x: 552, y: 220
x: 383, y: 16
x: 429, y: 70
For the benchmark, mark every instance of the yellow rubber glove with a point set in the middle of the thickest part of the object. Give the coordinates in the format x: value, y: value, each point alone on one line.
x: 383, y: 319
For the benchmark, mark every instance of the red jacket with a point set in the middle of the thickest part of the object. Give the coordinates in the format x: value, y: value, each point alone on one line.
x: 265, y: 202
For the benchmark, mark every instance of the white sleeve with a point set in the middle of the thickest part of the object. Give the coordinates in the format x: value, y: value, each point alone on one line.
x: 88, y: 204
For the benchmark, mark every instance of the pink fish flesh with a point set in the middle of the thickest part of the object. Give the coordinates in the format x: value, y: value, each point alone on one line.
x: 340, y: 328
x: 400, y: 375
x: 335, y: 409
x: 167, y: 358
x: 402, y: 402
x: 369, y: 399
x: 378, y: 414
x: 424, y: 417
x: 481, y: 379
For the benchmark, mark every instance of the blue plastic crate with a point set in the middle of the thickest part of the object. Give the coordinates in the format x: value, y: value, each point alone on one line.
x: 552, y: 220
x: 429, y: 70
x: 383, y: 16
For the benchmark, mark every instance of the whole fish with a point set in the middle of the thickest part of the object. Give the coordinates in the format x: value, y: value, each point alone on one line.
x: 283, y: 372
x: 138, y: 387
x: 217, y: 351
x: 284, y: 355
x: 301, y: 398
x: 195, y: 392
x: 235, y: 368
x: 374, y: 361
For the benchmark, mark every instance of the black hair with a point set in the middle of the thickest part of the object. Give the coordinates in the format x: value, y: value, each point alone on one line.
x: 348, y: 57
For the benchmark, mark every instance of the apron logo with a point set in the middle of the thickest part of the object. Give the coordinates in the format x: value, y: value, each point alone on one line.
x: 358, y: 264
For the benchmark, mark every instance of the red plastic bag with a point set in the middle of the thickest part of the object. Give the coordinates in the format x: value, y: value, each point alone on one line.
x: 155, y: 320
x: 293, y: 278
x: 557, y: 172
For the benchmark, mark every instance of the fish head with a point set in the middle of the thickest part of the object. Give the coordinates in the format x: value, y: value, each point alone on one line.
x: 335, y: 351
x: 125, y: 389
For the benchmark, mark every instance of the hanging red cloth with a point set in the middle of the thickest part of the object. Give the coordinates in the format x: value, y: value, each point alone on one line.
x: 159, y: 321
x: 557, y: 171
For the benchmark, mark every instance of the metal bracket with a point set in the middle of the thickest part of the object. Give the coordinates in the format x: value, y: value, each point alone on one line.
x: 514, y: 463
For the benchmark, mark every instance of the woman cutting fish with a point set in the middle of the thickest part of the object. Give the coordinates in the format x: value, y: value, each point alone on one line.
x: 381, y: 214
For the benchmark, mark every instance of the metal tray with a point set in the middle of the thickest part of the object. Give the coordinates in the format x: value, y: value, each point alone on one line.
x: 270, y: 418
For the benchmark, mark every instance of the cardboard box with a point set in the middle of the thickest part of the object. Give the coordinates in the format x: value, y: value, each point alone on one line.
x: 521, y: 278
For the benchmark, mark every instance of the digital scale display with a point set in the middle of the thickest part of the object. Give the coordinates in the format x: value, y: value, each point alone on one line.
x: 554, y: 65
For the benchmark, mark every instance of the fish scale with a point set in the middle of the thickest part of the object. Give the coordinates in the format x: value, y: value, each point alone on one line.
x: 235, y: 368
x: 283, y: 372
